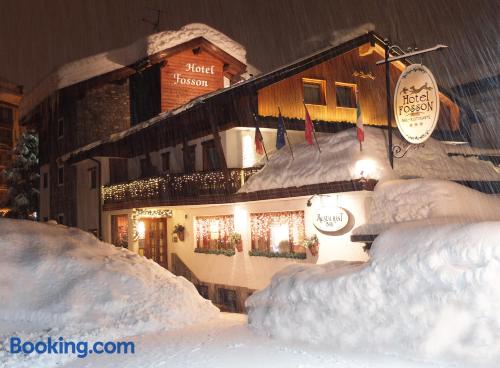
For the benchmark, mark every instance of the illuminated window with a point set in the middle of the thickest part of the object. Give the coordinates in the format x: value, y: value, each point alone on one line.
x: 314, y: 91
x: 345, y: 94
x: 278, y: 232
x: 214, y: 232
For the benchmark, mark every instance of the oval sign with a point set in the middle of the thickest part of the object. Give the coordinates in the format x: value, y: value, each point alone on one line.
x: 416, y: 103
x: 330, y: 219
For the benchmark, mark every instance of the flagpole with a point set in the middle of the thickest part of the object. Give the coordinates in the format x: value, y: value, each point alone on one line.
x: 257, y: 127
x: 286, y: 133
x: 314, y: 129
x: 358, y: 111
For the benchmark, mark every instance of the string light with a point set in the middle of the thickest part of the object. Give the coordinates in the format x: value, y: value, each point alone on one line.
x: 261, y: 223
x: 218, y: 228
x: 193, y: 184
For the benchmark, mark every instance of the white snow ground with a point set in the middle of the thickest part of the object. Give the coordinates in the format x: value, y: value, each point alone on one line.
x: 227, y: 341
x: 340, y: 159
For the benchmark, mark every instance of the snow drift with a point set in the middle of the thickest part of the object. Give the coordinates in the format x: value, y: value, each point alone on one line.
x: 58, y: 278
x: 429, y: 291
x: 419, y: 199
x: 341, y: 159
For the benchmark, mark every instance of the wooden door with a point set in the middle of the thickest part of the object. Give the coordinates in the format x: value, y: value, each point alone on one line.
x: 155, y: 245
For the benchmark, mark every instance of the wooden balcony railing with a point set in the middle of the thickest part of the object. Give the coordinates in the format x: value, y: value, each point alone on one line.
x: 178, y: 186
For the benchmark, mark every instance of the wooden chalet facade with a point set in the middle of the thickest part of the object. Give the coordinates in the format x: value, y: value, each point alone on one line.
x: 172, y: 137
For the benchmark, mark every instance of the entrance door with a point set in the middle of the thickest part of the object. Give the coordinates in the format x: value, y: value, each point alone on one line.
x: 155, y: 245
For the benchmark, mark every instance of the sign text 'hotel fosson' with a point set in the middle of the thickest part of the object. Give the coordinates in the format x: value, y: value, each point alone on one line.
x: 197, y: 69
x: 416, y: 103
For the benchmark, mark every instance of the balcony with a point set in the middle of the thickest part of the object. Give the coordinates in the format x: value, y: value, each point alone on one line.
x: 176, y: 189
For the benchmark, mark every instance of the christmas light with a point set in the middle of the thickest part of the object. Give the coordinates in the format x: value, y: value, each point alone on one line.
x: 175, y: 185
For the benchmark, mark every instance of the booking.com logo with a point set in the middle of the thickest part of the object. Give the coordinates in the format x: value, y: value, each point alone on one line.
x: 60, y: 346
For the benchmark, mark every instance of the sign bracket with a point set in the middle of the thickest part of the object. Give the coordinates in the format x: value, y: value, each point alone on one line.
x: 395, y: 151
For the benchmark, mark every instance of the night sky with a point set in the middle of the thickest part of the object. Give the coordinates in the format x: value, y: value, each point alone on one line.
x: 38, y: 36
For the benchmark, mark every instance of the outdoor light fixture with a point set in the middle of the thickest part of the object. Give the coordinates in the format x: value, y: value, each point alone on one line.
x: 309, y: 202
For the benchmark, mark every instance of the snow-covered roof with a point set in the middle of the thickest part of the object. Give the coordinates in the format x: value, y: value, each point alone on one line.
x: 291, y: 68
x: 340, y: 159
x: 108, y: 61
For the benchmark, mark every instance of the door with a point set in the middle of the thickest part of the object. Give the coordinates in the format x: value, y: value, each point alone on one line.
x: 155, y: 245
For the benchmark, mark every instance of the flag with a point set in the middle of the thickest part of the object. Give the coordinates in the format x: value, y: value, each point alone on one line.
x: 309, y: 128
x: 259, y: 142
x: 280, y: 136
x: 359, y: 125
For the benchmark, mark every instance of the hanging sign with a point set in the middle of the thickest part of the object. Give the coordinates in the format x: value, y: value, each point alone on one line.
x: 330, y: 219
x: 416, y: 103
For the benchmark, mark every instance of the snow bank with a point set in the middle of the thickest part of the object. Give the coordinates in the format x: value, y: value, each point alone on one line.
x: 64, y: 279
x: 341, y: 159
x: 105, y: 62
x: 429, y: 292
x: 409, y: 200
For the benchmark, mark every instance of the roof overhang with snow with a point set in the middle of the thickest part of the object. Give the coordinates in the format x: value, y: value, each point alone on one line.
x: 170, y: 124
x: 150, y: 48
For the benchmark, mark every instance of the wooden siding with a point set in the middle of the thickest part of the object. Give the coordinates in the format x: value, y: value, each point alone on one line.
x: 288, y: 93
x: 174, y: 95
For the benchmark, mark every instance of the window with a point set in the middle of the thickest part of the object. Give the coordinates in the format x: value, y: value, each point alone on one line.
x: 214, y: 232
x: 93, y: 177
x: 45, y: 180
x: 226, y: 298
x: 60, y: 218
x: 314, y: 91
x: 210, y: 156
x: 6, y: 124
x: 203, y: 290
x: 119, y: 230
x: 190, y: 159
x: 60, y: 175
x: 278, y: 232
x: 60, y: 128
x: 118, y: 170
x: 345, y: 94
x: 165, y: 162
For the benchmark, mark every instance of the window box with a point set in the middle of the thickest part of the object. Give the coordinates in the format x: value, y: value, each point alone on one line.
x: 227, y: 252
x: 268, y: 254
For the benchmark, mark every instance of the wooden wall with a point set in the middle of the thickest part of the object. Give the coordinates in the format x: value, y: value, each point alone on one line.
x: 174, y: 95
x: 288, y: 93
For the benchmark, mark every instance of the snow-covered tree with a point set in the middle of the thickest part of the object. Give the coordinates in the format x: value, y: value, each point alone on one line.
x: 22, y: 178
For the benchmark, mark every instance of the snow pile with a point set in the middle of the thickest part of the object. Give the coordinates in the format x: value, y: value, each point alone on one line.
x: 64, y: 279
x: 106, y: 62
x: 430, y: 292
x: 340, y: 159
x: 418, y: 199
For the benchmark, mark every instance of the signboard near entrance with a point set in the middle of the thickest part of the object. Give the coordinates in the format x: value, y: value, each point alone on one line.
x: 331, y: 219
x: 416, y: 103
